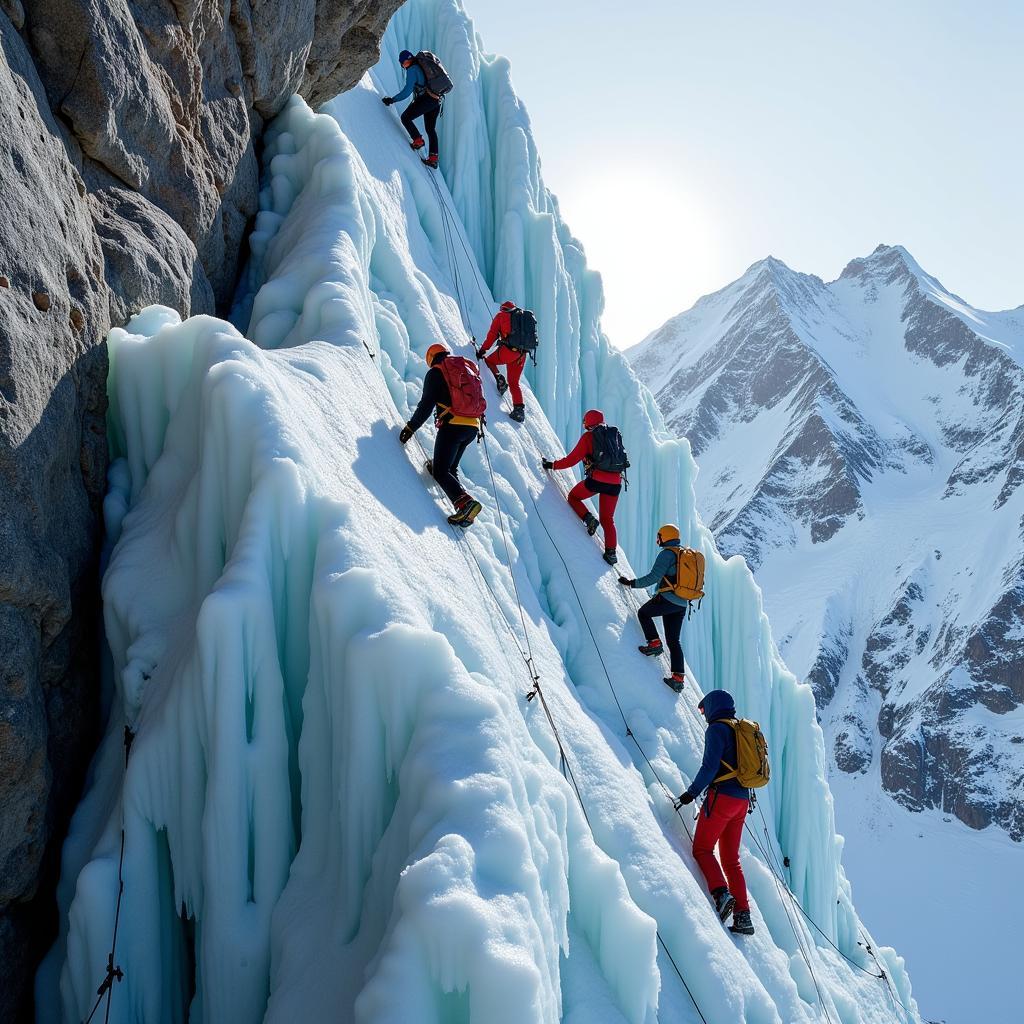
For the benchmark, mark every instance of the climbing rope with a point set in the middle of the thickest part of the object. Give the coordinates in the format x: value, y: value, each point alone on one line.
x: 527, y: 655
x: 114, y: 972
x: 451, y: 228
x: 448, y: 213
x: 782, y: 886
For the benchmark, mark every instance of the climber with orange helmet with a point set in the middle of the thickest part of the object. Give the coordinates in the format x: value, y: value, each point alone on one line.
x: 453, y: 391
x: 666, y: 605
x: 515, y: 331
x: 604, y: 462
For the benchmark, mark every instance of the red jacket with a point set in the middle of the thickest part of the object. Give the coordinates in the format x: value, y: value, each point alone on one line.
x: 501, y: 328
x: 583, y: 452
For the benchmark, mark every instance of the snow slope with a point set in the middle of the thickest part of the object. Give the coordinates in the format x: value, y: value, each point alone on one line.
x: 338, y: 803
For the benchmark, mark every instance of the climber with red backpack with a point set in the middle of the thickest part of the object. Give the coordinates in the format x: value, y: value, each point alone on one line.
x: 679, y: 573
x: 426, y: 80
x: 515, y: 331
x: 735, y: 761
x: 604, y: 461
x: 452, y: 389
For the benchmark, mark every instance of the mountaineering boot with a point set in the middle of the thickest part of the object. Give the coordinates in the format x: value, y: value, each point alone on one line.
x: 431, y: 161
x: 499, y: 379
x: 466, y: 510
x: 676, y: 681
x: 591, y: 524
x: 651, y: 648
x: 518, y: 413
x: 724, y: 904
x: 609, y: 556
x: 741, y: 923
x: 417, y: 143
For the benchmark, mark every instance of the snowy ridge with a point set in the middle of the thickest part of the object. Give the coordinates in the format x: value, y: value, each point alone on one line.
x: 338, y: 804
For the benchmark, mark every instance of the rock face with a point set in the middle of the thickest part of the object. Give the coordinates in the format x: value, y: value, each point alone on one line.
x: 860, y: 442
x: 128, y: 175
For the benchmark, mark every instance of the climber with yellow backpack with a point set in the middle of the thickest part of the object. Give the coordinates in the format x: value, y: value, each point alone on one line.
x: 679, y: 573
x: 735, y: 761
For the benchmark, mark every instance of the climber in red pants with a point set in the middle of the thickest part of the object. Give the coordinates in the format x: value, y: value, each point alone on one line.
x: 604, y: 461
x: 515, y: 331
x: 722, y: 815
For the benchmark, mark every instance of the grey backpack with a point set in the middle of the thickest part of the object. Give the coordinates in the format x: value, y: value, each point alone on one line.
x: 438, y: 81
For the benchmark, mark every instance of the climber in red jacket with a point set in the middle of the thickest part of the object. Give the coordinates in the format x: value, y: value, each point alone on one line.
x: 515, y: 331
x: 604, y: 461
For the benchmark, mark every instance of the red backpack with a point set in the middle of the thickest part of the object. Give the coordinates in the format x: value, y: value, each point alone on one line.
x: 467, y: 390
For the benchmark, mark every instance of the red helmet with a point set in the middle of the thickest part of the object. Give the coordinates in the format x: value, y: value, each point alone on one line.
x: 592, y: 418
x: 507, y: 305
x: 434, y: 351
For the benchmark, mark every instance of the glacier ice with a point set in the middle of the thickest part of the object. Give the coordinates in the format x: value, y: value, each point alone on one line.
x: 338, y: 803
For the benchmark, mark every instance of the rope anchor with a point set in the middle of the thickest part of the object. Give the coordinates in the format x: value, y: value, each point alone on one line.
x: 113, y: 974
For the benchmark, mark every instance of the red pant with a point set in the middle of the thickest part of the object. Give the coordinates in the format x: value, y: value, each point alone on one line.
x: 515, y: 362
x: 724, y: 827
x: 606, y: 511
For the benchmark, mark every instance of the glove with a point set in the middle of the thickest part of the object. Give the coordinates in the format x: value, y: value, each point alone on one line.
x: 685, y: 799
x: 547, y: 463
x: 387, y: 101
x: 404, y: 434
x: 625, y: 581
x: 479, y: 353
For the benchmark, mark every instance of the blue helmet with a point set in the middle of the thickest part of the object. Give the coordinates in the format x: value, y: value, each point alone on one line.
x: 405, y: 55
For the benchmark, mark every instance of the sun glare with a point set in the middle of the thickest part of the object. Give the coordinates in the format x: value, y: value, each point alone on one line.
x: 652, y: 238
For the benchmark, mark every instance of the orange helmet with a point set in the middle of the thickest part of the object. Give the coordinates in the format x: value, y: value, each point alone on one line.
x: 668, y: 532
x: 435, y: 350
x: 592, y: 418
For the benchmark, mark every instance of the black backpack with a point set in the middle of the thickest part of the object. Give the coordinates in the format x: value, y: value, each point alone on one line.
x: 609, y: 453
x: 522, y: 335
x: 438, y: 82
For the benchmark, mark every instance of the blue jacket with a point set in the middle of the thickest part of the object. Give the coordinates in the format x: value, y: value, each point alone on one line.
x: 415, y: 81
x: 664, y: 565
x: 719, y: 745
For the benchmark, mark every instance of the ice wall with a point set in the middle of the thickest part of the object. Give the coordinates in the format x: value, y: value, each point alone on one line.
x: 338, y: 804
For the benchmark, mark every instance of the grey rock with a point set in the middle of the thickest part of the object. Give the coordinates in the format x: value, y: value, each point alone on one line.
x: 346, y: 42
x: 52, y: 469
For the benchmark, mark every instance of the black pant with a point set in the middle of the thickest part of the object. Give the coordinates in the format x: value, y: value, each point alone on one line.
x: 671, y: 616
x: 449, y: 447
x: 429, y: 108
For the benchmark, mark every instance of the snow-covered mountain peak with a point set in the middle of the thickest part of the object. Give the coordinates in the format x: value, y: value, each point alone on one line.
x: 861, y: 424
x: 889, y: 264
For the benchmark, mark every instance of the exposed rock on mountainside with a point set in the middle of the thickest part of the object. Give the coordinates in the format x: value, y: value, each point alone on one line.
x: 127, y: 176
x: 860, y: 443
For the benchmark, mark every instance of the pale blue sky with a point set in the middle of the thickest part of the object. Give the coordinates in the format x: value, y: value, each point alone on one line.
x: 686, y: 140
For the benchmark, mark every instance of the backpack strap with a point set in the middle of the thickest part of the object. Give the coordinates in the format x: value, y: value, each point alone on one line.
x: 732, y: 773
x: 670, y: 586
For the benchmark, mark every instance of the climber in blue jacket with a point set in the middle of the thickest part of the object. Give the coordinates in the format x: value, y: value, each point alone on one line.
x: 664, y: 605
x: 425, y: 105
x: 722, y: 816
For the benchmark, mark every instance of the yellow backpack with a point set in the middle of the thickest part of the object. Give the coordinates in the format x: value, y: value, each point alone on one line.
x: 752, y: 769
x: 689, y: 584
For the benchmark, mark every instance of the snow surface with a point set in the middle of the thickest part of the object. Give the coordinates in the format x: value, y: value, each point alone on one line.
x: 339, y: 804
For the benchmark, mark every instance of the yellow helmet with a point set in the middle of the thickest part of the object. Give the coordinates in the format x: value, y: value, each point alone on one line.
x: 434, y: 351
x: 668, y: 532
